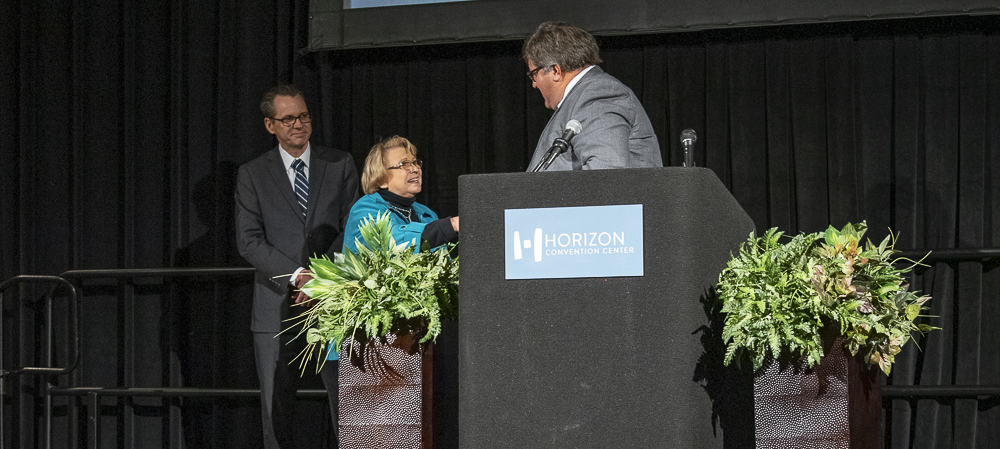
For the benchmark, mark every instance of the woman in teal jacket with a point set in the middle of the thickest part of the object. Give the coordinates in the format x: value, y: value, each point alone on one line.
x: 392, y: 178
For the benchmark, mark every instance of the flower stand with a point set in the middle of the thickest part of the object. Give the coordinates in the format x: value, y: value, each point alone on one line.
x: 837, y: 404
x: 386, y: 402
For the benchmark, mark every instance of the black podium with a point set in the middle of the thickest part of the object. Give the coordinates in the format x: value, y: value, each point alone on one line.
x: 593, y: 362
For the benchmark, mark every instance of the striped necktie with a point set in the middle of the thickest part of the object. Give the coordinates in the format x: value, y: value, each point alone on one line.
x: 301, y: 184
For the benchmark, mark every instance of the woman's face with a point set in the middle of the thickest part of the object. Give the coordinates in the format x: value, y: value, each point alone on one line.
x: 405, y: 182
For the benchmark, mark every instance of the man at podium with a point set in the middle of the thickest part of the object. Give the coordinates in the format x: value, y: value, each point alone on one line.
x: 616, y: 133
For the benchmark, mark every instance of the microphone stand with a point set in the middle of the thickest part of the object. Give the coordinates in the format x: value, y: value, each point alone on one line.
x: 558, y: 147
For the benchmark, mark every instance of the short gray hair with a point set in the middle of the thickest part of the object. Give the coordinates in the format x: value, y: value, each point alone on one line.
x: 560, y: 43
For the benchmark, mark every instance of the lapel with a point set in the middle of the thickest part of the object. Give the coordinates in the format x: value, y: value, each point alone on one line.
x: 284, y: 187
x: 317, y: 170
x: 569, y: 102
x: 557, y: 121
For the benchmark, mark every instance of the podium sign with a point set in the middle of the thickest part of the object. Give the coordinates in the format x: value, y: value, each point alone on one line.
x: 573, y: 242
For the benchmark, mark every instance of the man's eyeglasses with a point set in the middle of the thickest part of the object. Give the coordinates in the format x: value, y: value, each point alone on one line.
x: 288, y: 122
x: 407, y: 165
x: 531, y: 74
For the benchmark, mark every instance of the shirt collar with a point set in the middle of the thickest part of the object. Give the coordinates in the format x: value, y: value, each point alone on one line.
x: 572, y: 83
x: 287, y: 159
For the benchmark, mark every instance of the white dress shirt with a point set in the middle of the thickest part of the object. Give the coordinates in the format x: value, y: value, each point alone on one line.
x: 572, y: 83
x: 287, y: 159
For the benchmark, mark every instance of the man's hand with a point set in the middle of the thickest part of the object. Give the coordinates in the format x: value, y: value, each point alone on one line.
x: 301, y: 298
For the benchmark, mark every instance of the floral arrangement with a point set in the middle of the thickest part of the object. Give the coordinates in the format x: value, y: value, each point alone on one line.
x: 778, y: 296
x: 386, y: 287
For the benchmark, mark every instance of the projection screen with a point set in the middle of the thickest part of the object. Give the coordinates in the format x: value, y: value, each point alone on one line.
x: 345, y: 24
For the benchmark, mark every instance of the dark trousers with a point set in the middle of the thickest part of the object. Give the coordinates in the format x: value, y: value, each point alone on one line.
x: 279, y: 382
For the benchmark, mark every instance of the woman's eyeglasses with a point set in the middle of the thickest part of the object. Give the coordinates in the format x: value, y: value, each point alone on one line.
x: 406, y: 165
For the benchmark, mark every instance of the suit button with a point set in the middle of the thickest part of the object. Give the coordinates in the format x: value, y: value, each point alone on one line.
x: 309, y: 235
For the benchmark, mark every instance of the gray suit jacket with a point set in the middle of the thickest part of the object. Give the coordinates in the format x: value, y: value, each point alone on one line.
x: 616, y: 131
x: 271, y: 232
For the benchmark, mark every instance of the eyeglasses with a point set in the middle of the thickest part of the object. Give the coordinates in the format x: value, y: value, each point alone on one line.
x: 288, y: 122
x: 531, y: 74
x: 407, y: 165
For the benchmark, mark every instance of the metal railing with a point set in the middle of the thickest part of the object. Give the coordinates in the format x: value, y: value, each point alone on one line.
x: 952, y: 254
x: 48, y: 370
x: 914, y: 392
x: 74, y: 354
x: 940, y: 391
x: 94, y: 394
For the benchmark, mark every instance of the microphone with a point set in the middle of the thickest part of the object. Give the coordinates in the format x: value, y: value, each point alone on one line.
x: 560, y: 145
x: 688, y: 138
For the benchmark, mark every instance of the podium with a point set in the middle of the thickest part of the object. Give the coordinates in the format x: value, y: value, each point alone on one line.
x: 606, y: 361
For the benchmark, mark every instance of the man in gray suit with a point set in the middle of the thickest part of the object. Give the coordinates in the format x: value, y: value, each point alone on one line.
x: 562, y: 62
x: 291, y: 203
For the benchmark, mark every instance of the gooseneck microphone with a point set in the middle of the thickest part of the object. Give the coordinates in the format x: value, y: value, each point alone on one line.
x: 560, y: 145
x: 688, y: 138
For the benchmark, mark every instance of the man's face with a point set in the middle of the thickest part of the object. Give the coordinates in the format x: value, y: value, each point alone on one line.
x: 543, y: 81
x: 293, y: 135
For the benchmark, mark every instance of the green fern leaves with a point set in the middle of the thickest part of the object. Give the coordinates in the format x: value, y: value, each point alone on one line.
x: 778, y: 296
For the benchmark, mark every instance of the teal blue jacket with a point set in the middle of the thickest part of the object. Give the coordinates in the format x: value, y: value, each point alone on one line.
x: 372, y: 205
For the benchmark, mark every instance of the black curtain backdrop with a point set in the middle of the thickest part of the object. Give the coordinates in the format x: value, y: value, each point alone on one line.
x: 123, y: 124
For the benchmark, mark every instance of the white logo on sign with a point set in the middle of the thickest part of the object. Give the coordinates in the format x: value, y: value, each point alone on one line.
x: 528, y: 244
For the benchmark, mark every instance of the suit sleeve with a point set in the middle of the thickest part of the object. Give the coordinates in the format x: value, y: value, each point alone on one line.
x: 250, y: 236
x: 350, y: 189
x: 439, y: 232
x: 607, y: 117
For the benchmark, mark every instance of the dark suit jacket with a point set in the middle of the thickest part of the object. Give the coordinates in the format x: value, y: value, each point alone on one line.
x: 271, y: 232
x: 616, y: 131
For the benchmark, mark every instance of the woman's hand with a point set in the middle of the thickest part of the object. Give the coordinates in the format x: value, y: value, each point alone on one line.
x: 454, y: 223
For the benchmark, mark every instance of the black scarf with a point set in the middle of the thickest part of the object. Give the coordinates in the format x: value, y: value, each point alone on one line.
x: 396, y: 200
